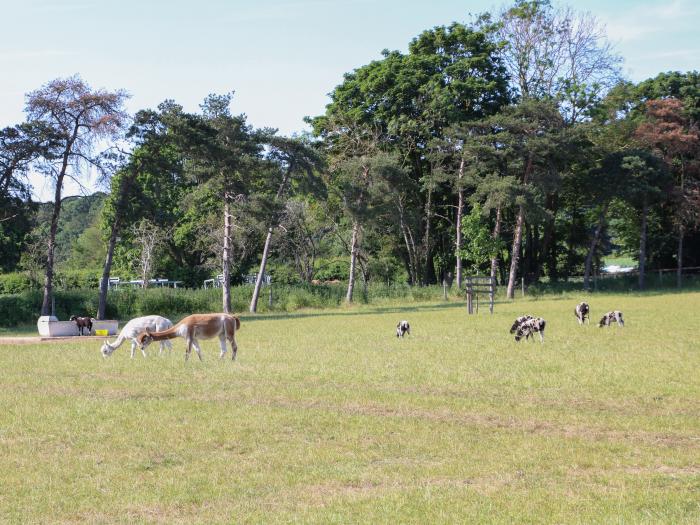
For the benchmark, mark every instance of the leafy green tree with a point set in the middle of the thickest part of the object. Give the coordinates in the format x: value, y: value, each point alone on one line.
x: 295, y: 158
x: 450, y: 74
x: 646, y: 182
x: 481, y: 246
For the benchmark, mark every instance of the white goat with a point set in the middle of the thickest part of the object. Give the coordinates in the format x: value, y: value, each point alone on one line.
x: 134, y: 328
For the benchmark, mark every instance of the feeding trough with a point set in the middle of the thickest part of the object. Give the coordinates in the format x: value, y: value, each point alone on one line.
x: 50, y: 326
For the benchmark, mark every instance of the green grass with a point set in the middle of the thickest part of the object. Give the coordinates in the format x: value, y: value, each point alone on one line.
x: 327, y: 418
x: 622, y: 260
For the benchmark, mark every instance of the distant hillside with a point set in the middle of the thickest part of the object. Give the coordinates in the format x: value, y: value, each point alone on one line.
x: 78, y: 238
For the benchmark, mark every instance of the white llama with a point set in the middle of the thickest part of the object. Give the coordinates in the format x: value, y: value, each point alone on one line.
x: 134, y: 328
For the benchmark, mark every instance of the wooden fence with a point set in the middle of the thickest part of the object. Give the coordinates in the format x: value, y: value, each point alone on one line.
x: 475, y: 285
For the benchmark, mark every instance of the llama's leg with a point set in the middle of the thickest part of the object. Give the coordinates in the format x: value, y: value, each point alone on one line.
x: 197, y: 349
x: 541, y: 337
x: 188, y: 348
x: 234, y: 347
x: 222, y: 344
x: 133, y: 348
x: 143, y: 351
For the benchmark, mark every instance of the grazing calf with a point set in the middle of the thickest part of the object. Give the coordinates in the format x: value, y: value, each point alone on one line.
x: 83, y: 323
x: 403, y: 328
x: 612, y: 317
x: 530, y: 327
x: 582, y: 311
x: 520, y: 320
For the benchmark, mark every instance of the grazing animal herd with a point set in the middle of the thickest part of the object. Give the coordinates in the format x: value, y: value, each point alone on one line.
x: 142, y: 331
x: 527, y: 326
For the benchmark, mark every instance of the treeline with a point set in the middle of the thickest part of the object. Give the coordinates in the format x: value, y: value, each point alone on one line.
x: 510, y: 145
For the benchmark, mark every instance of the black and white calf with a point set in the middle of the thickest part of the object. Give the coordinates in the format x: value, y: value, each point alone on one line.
x: 582, y: 311
x: 529, y: 327
x: 612, y: 317
x: 520, y: 320
x: 403, y: 328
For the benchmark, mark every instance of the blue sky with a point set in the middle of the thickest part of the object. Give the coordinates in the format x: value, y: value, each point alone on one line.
x: 280, y: 56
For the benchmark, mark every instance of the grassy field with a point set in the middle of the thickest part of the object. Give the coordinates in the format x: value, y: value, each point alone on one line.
x: 327, y: 418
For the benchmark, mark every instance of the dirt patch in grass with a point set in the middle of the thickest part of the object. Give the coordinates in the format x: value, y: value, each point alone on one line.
x: 531, y: 426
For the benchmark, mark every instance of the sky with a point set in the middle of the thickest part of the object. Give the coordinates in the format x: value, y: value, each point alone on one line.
x: 281, y: 57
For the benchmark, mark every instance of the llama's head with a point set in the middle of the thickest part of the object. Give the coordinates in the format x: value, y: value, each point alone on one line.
x: 73, y: 318
x: 144, y: 339
x: 106, y: 349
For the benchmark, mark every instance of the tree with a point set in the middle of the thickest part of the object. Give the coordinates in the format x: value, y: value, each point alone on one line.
x: 557, y: 54
x: 645, y: 182
x: 668, y: 131
x: 481, y: 245
x: 295, y: 157
x: 152, y: 152
x: 450, y: 74
x: 528, y: 138
x: 149, y: 238
x: 80, y: 117
x: 232, y: 149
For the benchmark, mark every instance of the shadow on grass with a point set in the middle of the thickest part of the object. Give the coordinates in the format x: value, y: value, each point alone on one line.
x: 364, y: 310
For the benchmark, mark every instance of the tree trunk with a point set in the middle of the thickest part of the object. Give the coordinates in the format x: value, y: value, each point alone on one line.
x: 353, y: 260
x: 261, y: 272
x: 426, y: 238
x: 458, y: 241
x: 517, y: 238
x: 549, y: 240
x: 679, y: 268
x: 51, y: 249
x: 226, y: 259
x: 593, y: 246
x: 496, y: 235
x: 515, y: 252
x: 104, y: 281
x: 643, y: 244
x: 258, y: 280
x: 51, y: 245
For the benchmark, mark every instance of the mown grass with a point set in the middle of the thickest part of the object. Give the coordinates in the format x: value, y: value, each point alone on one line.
x: 327, y: 418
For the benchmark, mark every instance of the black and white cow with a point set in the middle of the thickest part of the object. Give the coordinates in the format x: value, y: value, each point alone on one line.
x: 529, y: 327
x: 582, y: 311
x: 520, y: 320
x: 612, y: 317
x: 403, y: 328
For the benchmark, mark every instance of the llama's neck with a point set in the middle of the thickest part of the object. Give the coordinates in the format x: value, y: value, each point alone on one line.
x: 170, y: 333
x: 116, y: 344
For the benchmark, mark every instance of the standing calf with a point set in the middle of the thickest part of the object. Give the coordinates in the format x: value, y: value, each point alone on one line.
x: 403, y: 328
x: 582, y: 311
x: 612, y: 317
x: 83, y: 323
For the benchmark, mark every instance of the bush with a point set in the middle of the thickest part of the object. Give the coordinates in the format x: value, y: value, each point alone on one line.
x: 16, y: 282
x: 330, y: 269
